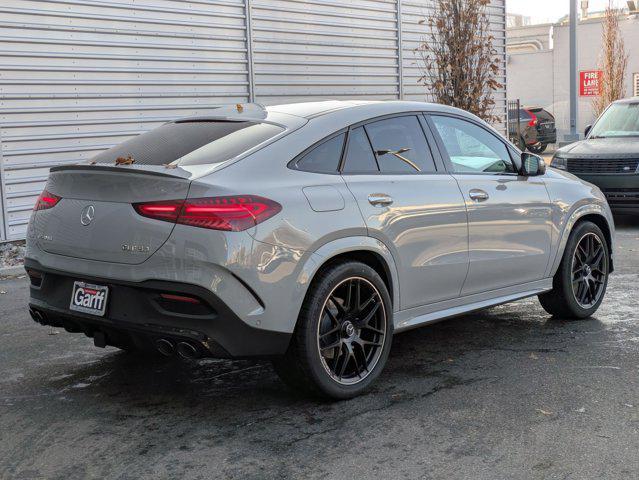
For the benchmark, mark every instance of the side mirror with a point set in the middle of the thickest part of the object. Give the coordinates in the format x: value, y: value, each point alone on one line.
x: 532, y: 165
x: 587, y: 130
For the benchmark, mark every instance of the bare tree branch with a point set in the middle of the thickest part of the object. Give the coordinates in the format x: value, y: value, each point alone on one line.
x: 613, y: 61
x: 458, y: 63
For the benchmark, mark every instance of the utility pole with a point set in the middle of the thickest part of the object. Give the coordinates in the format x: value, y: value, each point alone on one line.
x: 573, y: 136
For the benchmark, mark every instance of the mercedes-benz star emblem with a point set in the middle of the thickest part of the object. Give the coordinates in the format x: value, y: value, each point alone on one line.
x: 88, y: 214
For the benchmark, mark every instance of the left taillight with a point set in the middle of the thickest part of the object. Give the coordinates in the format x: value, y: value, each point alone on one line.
x: 232, y: 213
x: 46, y: 200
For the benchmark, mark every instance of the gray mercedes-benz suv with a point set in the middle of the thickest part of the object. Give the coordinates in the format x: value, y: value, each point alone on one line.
x: 309, y: 234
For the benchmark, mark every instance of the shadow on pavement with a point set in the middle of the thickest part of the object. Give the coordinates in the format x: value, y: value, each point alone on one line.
x: 122, y: 378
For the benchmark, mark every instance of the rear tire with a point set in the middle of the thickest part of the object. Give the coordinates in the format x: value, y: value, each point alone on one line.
x: 342, y: 338
x: 538, y: 149
x: 580, y: 283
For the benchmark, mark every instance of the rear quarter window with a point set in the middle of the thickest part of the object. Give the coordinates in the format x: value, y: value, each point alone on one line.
x: 192, y: 142
x: 323, y: 158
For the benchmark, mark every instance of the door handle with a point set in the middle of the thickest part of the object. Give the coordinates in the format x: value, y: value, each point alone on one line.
x: 380, y: 199
x: 478, y: 195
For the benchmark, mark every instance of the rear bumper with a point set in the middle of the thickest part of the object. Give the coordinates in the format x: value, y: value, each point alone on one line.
x: 135, y: 317
x: 547, y: 137
x: 621, y: 190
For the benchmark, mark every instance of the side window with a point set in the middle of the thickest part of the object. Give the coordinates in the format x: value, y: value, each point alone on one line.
x: 471, y: 148
x: 400, y: 145
x: 324, y: 158
x: 359, y: 155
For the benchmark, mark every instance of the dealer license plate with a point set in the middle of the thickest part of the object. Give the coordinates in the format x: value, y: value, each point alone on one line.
x: 89, y: 298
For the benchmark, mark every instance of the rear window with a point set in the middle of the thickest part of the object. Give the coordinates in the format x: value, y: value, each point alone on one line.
x: 194, y: 142
x: 541, y: 114
x: 524, y: 115
x: 545, y: 115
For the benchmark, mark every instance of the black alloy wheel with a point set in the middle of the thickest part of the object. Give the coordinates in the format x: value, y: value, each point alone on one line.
x: 343, y: 334
x: 351, y: 330
x: 579, y: 285
x: 589, y: 270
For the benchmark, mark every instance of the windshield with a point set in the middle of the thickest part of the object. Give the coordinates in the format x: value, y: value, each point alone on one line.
x: 619, y: 120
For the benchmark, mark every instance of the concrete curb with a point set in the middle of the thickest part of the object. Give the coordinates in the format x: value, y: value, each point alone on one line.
x: 12, y: 271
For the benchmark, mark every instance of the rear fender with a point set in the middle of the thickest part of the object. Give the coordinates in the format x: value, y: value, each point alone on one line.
x: 351, y: 244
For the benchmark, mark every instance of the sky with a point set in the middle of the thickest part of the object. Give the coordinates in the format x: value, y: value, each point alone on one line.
x: 551, y: 10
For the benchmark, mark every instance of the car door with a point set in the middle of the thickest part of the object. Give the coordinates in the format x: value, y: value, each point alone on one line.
x: 411, y: 205
x: 509, y: 215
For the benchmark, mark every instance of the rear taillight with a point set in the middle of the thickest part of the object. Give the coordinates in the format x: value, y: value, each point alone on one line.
x: 167, y: 211
x: 533, y: 119
x: 46, y: 200
x: 233, y: 213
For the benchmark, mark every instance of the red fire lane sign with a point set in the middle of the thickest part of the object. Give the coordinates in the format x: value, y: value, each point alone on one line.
x: 590, y: 83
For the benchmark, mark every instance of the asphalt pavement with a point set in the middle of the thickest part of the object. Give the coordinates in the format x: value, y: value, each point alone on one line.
x: 507, y: 393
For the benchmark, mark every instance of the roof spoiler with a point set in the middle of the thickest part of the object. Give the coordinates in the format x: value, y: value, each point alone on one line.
x: 239, y: 112
x: 157, y: 170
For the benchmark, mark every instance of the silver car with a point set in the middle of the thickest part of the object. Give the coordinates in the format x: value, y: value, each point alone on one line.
x: 310, y: 234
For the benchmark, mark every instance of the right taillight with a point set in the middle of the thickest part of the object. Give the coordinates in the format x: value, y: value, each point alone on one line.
x: 232, y: 213
x: 46, y: 200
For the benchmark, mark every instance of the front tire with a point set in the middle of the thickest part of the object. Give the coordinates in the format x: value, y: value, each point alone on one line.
x: 580, y: 283
x: 343, y: 333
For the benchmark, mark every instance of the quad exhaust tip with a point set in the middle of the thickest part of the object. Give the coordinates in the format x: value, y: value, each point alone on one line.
x: 36, y: 315
x: 183, y: 349
x: 165, y: 347
x: 187, y: 351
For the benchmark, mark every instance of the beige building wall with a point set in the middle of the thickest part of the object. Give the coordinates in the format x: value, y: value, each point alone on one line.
x: 542, y: 78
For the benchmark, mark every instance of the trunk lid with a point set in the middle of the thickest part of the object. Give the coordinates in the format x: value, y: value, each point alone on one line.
x: 95, y: 219
x: 155, y: 166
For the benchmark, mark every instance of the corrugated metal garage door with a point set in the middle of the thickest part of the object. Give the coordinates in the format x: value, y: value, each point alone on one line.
x: 314, y: 49
x: 77, y: 76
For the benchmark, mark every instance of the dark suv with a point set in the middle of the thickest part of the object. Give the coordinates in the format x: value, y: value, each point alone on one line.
x: 537, y: 129
x: 609, y: 155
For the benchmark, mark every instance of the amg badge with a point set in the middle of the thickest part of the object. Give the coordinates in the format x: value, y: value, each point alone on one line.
x: 135, y: 248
